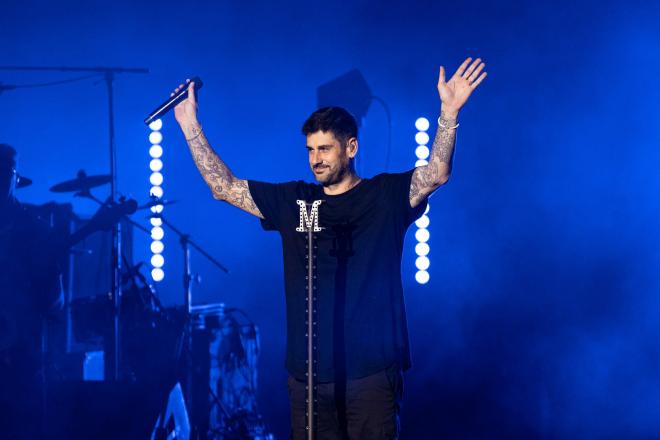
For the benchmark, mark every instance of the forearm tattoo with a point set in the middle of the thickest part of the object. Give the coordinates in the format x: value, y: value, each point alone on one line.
x: 427, y: 179
x: 224, y: 185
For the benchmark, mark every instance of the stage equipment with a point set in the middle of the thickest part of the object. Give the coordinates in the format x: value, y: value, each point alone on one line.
x: 309, y: 223
x: 156, y: 202
x: 108, y: 74
x: 422, y: 248
x: 173, y: 422
x: 82, y: 183
x: 225, y: 351
x: 171, y: 102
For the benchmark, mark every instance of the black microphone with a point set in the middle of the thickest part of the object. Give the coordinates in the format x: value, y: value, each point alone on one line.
x: 173, y: 101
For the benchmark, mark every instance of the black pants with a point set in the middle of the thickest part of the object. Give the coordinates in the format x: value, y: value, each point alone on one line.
x: 359, y: 409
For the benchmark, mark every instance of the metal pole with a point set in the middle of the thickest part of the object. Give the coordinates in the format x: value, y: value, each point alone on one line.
x: 309, y: 223
x: 187, y: 303
x: 116, y: 237
x: 310, y: 334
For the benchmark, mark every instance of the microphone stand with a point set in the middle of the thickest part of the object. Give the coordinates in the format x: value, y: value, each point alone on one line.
x: 309, y: 224
x: 109, y: 76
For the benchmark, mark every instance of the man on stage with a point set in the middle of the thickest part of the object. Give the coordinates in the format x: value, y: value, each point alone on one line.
x: 361, y: 325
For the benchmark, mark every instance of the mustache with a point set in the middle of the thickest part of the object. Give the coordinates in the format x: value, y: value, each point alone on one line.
x: 316, y: 167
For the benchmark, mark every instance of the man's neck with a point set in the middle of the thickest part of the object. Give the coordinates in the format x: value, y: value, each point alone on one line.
x: 345, y: 184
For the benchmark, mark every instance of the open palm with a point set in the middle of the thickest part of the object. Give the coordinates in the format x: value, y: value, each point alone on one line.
x: 455, y: 92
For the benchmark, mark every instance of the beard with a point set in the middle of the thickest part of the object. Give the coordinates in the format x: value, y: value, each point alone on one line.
x: 331, y: 176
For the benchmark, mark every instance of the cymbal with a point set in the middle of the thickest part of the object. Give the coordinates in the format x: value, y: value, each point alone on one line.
x: 82, y: 182
x: 156, y: 202
x: 23, y: 182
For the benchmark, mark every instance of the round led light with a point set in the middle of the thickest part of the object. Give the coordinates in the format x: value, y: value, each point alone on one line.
x: 158, y: 124
x: 157, y: 209
x: 155, y: 137
x: 157, y: 274
x: 156, y: 151
x: 157, y: 247
x: 422, y: 277
x: 156, y: 179
x: 157, y: 233
x: 421, y: 138
x: 422, y: 124
x: 428, y: 206
x: 156, y: 221
x: 157, y: 260
x: 156, y: 191
x: 422, y: 222
x: 422, y: 263
x: 422, y: 152
x: 421, y: 163
x: 422, y: 235
x: 156, y: 165
x: 422, y: 249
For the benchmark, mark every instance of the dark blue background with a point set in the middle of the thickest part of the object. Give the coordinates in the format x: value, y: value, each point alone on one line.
x: 541, y: 316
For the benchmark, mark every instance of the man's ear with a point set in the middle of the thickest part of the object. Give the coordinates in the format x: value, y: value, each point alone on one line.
x: 352, y: 147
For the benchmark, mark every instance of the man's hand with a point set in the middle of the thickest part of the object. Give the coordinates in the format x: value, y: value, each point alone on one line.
x: 185, y: 112
x: 455, y: 92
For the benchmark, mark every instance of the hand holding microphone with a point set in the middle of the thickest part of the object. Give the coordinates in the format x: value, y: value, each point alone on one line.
x: 185, y: 112
x: 184, y: 99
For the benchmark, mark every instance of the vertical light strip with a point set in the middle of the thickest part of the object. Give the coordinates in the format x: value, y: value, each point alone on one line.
x: 422, y: 234
x: 156, y: 193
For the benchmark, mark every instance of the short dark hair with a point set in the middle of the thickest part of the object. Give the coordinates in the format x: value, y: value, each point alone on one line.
x: 336, y: 120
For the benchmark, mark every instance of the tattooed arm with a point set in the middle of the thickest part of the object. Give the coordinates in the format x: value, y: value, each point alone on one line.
x: 217, y: 175
x: 428, y: 178
x: 453, y: 95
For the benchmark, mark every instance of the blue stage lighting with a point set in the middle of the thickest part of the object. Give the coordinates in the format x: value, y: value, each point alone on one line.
x: 157, y: 260
x: 156, y: 151
x: 422, y: 249
x: 155, y: 137
x: 422, y: 152
x: 422, y: 263
x: 156, y: 165
x: 157, y: 247
x: 156, y: 125
x: 422, y: 138
x: 157, y: 274
x: 422, y: 124
x: 157, y: 233
x: 156, y: 191
x: 422, y: 277
x: 156, y: 179
x: 423, y: 222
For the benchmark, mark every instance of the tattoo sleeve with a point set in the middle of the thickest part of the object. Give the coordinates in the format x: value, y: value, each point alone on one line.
x: 224, y: 185
x: 428, y: 178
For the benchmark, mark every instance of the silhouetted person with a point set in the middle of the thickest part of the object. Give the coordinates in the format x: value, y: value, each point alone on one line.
x: 30, y: 287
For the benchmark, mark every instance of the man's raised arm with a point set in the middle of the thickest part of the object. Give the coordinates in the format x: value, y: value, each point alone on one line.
x: 453, y: 95
x: 224, y: 185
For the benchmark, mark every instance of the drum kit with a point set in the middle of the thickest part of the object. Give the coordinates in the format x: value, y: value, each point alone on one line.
x: 212, y: 350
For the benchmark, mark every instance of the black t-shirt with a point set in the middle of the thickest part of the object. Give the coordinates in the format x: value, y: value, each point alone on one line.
x: 361, y: 321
